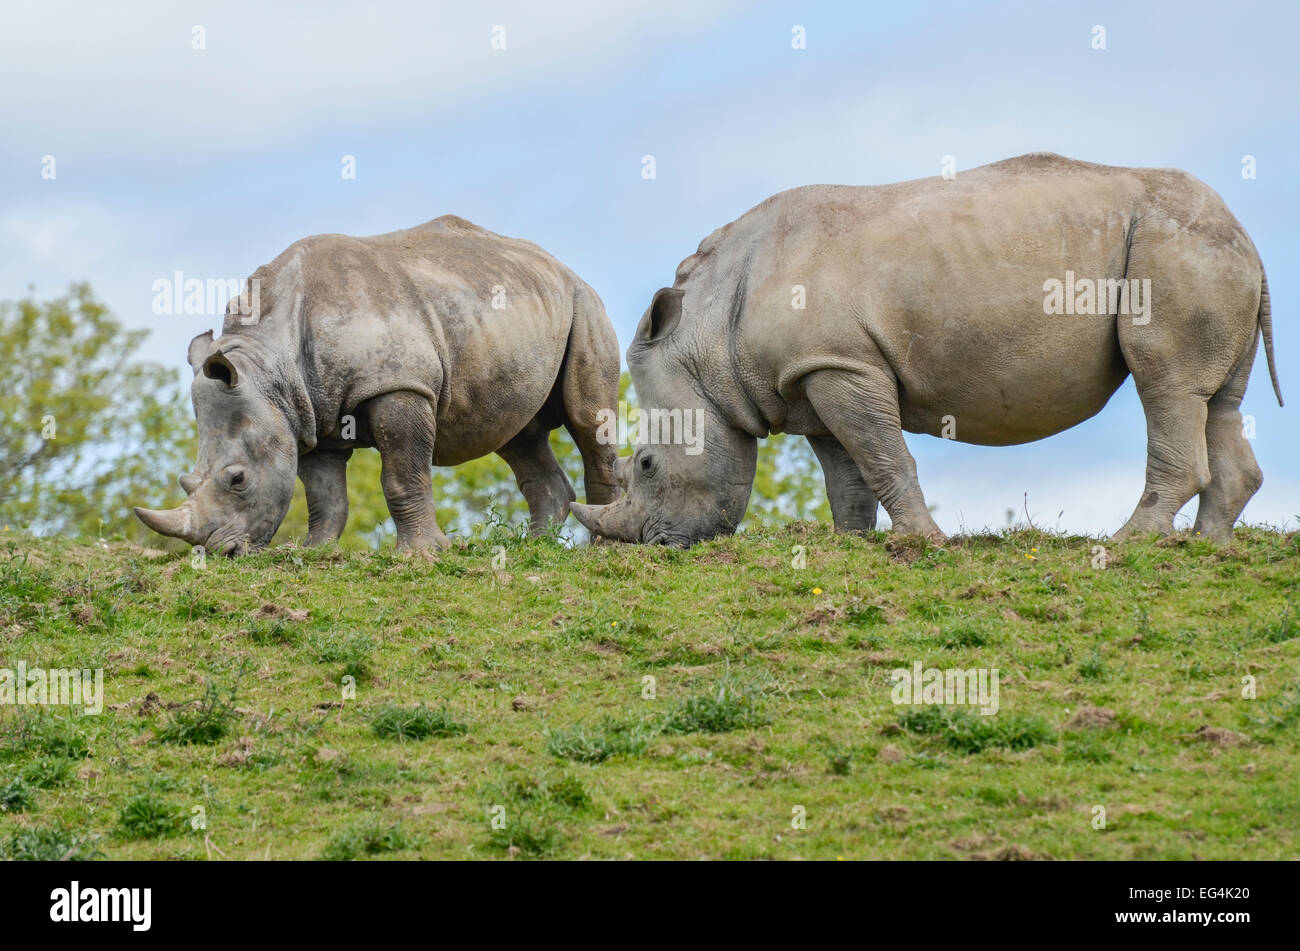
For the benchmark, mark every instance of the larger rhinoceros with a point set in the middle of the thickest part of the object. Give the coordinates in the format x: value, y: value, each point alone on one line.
x: 436, y: 345
x: 997, y: 307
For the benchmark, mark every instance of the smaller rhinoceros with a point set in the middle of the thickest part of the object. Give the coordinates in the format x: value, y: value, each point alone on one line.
x: 997, y: 308
x: 435, y: 345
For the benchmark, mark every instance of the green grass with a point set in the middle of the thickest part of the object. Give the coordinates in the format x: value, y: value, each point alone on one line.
x: 415, y: 723
x: 619, y: 701
x: 147, y: 815
x: 366, y: 838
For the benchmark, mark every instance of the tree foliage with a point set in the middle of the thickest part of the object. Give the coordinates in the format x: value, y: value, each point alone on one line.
x: 85, y: 429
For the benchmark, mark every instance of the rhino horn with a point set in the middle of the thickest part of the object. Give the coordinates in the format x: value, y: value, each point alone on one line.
x: 176, y: 523
x: 190, y: 482
x: 616, y: 520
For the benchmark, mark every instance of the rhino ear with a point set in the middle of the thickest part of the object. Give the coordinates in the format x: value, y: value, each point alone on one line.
x: 218, y: 367
x: 200, y: 347
x: 661, y: 316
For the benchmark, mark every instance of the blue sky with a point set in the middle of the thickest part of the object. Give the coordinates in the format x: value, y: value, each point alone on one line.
x: 212, y: 161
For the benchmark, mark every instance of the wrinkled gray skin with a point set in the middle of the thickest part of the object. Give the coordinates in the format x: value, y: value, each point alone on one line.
x: 925, y: 299
x: 398, y: 332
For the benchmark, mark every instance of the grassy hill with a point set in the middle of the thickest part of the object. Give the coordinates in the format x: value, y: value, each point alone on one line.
x: 516, y: 698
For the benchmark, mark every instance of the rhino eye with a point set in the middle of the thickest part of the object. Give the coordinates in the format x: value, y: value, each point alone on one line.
x: 235, y: 478
x: 647, y: 463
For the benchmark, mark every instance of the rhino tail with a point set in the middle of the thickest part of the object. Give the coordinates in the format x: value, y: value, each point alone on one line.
x: 1266, y: 330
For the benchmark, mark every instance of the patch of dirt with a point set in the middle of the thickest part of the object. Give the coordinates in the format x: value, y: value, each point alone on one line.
x: 150, y: 705
x: 520, y: 704
x: 239, y: 755
x: 1218, y: 736
x: 263, y: 720
x: 905, y: 549
x: 895, y: 814
x: 1008, y: 853
x: 1039, y: 685
x: 881, y: 659
x: 718, y: 556
x: 890, y: 753
x: 1013, y: 853
x: 326, y: 755
x: 1092, y: 718
x: 825, y: 614
x: 972, y: 842
x: 1209, y: 697
x: 274, y: 612
x: 1052, y: 803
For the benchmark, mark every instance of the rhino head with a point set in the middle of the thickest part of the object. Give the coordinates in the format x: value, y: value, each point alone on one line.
x: 677, y: 492
x: 240, y: 490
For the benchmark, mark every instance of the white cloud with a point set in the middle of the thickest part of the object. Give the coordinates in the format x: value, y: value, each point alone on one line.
x: 115, y: 80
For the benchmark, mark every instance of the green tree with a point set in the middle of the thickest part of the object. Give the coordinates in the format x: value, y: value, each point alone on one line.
x: 788, y: 484
x: 86, y: 430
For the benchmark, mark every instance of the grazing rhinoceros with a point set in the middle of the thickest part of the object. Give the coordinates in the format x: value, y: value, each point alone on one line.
x: 435, y: 345
x: 955, y: 308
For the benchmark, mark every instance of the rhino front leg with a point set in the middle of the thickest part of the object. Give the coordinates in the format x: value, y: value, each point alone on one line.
x: 860, y: 409
x: 403, y: 425
x: 540, y: 478
x: 853, y: 504
x: 324, y: 475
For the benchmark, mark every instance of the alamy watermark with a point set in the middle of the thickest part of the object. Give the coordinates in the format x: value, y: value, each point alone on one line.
x: 1098, y: 296
x: 976, y: 686
x: 656, y: 427
x: 179, y: 295
x: 37, y: 686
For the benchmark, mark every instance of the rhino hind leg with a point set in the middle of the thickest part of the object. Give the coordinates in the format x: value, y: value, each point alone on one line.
x: 860, y: 408
x: 324, y: 476
x: 404, y: 425
x: 1177, y: 462
x: 853, y: 504
x: 1234, y: 474
x: 541, y: 480
x: 588, y: 384
x: 1190, y: 357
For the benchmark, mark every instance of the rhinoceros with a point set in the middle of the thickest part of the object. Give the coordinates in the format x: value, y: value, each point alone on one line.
x: 435, y: 345
x: 953, y: 306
